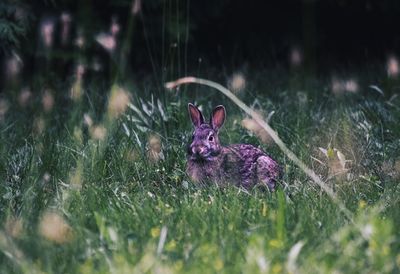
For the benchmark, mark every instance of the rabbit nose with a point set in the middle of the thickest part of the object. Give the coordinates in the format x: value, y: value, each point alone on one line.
x: 197, y: 150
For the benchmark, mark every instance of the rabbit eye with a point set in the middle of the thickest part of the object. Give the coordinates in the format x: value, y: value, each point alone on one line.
x: 211, y: 138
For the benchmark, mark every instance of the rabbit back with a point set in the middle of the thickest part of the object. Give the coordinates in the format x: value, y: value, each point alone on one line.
x: 253, y: 166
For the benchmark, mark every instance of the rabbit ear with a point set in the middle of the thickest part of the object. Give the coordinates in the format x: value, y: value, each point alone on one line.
x: 196, y: 115
x: 218, y: 117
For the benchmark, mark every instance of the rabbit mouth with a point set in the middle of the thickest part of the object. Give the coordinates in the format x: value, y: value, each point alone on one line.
x: 201, y: 156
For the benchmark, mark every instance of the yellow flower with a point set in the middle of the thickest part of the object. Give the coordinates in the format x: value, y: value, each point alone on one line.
x: 155, y: 232
x: 373, y: 245
x: 277, y: 268
x: 171, y: 246
x: 178, y: 265
x: 275, y: 243
x: 218, y: 264
x: 385, y: 250
x: 362, y: 204
x: 330, y: 153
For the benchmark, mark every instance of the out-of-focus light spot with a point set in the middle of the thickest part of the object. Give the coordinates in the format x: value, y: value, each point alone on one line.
x: 66, y: 17
x: 87, y: 120
x: 47, y: 101
x: 115, y: 27
x: 24, y: 96
x: 65, y: 27
x: 77, y: 89
x: 46, y: 32
x: 98, y: 132
x: 96, y: 65
x: 80, y: 40
x: 254, y: 127
x: 154, y: 152
x: 340, y: 86
x: 118, y: 102
x: 296, y: 57
x: 13, y: 65
x: 237, y: 83
x: 46, y: 177
x: 392, y: 67
x: 136, y: 6
x: 107, y: 41
x: 337, y: 86
x: 53, y: 227
x: 351, y: 85
x: 80, y: 71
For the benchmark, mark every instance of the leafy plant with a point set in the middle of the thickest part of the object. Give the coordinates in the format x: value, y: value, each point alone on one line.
x: 15, y: 20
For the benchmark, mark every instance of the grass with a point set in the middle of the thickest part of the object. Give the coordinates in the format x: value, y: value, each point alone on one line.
x: 84, y: 197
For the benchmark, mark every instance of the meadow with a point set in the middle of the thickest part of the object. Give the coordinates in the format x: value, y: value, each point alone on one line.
x: 90, y: 184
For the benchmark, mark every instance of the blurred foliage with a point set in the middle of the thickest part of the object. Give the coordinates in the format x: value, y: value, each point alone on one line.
x: 15, y: 22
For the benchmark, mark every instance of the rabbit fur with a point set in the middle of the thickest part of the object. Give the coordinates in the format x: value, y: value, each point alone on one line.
x: 208, y: 161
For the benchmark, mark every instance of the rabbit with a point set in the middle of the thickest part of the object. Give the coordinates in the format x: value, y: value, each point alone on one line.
x: 242, y: 165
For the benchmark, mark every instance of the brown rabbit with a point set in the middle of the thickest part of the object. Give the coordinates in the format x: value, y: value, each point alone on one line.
x: 240, y: 164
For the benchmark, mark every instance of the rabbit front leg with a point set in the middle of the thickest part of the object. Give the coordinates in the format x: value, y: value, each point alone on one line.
x: 195, y: 173
x: 203, y: 173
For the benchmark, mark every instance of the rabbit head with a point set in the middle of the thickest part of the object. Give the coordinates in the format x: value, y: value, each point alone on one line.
x: 205, y: 143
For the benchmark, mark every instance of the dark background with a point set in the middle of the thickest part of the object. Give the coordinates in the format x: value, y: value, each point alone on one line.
x: 329, y: 31
x: 227, y: 33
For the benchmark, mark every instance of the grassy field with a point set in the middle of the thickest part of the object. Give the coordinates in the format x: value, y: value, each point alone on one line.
x: 88, y: 186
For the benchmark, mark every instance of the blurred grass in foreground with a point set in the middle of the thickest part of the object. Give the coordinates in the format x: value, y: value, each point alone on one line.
x: 90, y: 185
